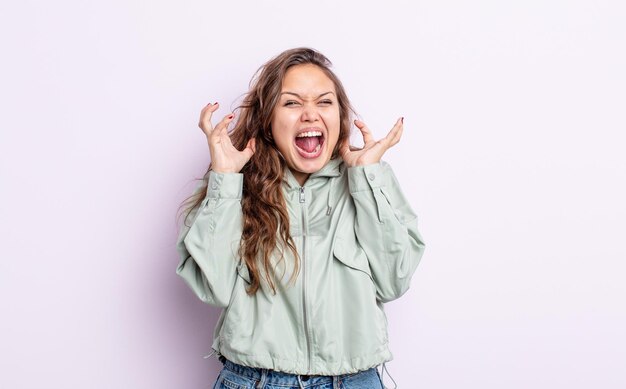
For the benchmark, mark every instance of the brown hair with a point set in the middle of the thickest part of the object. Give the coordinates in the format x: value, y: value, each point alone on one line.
x: 265, y: 217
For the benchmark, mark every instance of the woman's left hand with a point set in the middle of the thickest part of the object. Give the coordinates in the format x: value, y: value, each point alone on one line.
x: 372, y: 150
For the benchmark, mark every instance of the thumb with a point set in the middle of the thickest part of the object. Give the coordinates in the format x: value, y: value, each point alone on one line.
x: 250, y: 148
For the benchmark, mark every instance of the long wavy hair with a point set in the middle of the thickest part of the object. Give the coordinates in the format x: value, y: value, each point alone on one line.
x: 265, y: 216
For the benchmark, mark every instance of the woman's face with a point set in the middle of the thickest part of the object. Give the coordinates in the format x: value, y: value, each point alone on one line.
x: 306, y: 122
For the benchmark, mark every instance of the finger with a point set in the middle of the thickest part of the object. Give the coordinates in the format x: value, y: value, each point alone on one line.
x: 394, y: 134
x: 345, y: 147
x: 367, y: 134
x: 205, y: 117
x: 250, y: 149
x: 396, y: 139
x: 221, y: 127
x: 398, y: 134
x: 250, y: 146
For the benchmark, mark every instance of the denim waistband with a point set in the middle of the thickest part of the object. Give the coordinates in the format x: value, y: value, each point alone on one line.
x: 274, y: 377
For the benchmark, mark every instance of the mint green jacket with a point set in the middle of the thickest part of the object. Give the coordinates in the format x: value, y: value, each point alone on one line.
x: 359, y: 246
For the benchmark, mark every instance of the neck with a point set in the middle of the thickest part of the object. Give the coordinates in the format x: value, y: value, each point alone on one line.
x: 300, y: 177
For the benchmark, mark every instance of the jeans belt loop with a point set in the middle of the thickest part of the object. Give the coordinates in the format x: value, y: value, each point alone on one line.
x: 261, y: 382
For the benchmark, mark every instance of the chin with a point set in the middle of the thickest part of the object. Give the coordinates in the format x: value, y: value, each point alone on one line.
x: 311, y: 166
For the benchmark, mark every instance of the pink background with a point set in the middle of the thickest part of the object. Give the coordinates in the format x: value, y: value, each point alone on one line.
x: 513, y: 157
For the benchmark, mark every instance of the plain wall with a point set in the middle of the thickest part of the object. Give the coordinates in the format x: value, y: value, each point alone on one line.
x: 512, y: 156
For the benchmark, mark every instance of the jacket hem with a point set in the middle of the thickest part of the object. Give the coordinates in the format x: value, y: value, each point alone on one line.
x: 286, y: 365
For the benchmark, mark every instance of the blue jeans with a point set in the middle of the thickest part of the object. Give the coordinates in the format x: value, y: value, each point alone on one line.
x: 235, y: 376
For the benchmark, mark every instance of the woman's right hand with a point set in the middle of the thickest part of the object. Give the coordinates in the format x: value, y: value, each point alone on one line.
x: 225, y: 158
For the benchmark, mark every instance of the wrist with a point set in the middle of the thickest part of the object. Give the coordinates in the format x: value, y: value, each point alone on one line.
x: 363, y: 162
x: 223, y: 170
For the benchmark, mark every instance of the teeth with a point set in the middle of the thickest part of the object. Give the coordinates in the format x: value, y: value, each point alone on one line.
x: 309, y: 134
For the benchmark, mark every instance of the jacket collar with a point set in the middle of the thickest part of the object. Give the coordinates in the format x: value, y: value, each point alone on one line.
x: 332, y: 169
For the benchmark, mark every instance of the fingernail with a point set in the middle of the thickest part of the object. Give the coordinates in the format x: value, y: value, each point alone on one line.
x: 402, y: 119
x: 231, y: 116
x: 216, y: 103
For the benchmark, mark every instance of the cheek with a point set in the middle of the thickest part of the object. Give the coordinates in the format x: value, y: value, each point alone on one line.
x: 333, y: 124
x: 281, y: 141
x: 281, y: 137
x: 283, y: 122
x: 331, y: 114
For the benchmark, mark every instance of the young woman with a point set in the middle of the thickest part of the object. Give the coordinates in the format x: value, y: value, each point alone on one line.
x: 298, y: 236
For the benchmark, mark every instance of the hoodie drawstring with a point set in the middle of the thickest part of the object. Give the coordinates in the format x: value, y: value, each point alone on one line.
x: 329, y: 208
x: 300, y: 384
x: 382, y: 375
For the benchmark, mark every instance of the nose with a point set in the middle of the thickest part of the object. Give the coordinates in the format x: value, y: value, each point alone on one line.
x: 309, y: 113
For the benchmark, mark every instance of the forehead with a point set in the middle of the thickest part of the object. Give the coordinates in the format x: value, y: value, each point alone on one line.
x: 307, y: 79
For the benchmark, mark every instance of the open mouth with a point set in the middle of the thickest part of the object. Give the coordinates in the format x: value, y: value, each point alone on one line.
x: 309, y: 143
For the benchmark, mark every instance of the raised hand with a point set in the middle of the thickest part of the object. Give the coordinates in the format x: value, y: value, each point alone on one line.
x: 372, y: 150
x: 225, y: 158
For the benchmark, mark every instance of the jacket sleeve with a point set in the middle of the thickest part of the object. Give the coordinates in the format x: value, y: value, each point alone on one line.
x: 386, y: 228
x: 208, y: 246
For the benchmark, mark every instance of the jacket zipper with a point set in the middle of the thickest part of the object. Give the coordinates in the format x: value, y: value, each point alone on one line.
x: 305, y: 231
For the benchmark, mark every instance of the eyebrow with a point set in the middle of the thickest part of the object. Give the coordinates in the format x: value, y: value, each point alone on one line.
x: 300, y: 97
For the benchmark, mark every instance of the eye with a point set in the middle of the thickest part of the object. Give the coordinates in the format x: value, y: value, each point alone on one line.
x: 289, y: 103
x: 326, y: 102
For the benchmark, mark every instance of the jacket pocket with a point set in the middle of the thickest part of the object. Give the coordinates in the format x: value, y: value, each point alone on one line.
x: 351, y: 255
x: 359, y: 292
x: 242, y: 268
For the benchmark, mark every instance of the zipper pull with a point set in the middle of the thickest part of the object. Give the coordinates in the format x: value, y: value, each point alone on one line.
x: 302, y: 194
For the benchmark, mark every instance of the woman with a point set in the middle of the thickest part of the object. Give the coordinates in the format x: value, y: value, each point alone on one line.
x: 300, y: 237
